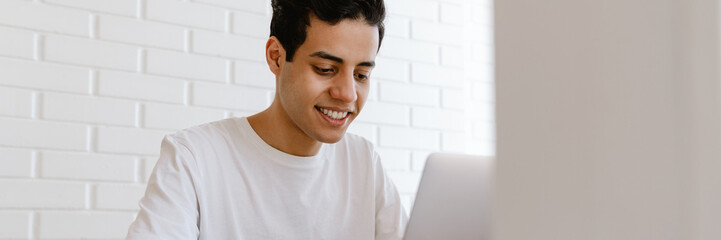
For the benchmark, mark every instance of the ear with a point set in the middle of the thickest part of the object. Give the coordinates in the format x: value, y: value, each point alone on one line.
x: 274, y: 54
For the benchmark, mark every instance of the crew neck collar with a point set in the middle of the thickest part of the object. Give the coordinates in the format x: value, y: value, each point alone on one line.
x: 276, y: 155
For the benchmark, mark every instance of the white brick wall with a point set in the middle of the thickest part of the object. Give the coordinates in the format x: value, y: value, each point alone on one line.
x: 185, y: 65
x: 136, y: 31
x: 89, y: 52
x: 16, y: 43
x: 16, y: 224
x: 97, y: 167
x: 88, y: 88
x: 84, y: 224
x: 16, y: 162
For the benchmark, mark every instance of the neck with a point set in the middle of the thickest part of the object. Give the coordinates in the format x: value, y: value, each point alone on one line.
x: 277, y: 130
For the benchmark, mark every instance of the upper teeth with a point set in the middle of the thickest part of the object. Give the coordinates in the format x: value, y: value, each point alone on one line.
x: 333, y: 114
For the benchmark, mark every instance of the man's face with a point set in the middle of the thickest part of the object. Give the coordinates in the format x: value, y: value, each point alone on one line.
x: 325, y: 87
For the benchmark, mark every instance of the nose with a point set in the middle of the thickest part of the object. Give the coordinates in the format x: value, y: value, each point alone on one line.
x: 344, y: 89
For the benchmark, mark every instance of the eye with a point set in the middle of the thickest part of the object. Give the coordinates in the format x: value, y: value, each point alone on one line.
x: 361, y: 77
x: 323, y: 71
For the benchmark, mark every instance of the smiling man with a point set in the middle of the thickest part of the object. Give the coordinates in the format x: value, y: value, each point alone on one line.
x: 291, y: 171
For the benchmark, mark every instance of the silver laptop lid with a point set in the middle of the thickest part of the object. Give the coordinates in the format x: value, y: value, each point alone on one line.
x: 453, y: 199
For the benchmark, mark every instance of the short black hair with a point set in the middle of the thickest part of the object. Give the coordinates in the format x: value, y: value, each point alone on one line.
x: 292, y: 17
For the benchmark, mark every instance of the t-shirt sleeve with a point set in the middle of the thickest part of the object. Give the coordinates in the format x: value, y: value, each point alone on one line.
x: 391, y: 217
x: 169, y: 209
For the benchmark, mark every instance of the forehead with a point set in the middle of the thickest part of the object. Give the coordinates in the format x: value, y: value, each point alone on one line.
x: 354, y: 40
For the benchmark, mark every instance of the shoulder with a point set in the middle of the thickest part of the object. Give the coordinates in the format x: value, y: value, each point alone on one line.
x: 206, y: 140
x: 207, y: 132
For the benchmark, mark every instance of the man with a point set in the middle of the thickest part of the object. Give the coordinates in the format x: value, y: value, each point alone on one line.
x: 291, y: 171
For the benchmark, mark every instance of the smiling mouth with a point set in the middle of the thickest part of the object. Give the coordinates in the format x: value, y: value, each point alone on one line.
x: 335, y: 115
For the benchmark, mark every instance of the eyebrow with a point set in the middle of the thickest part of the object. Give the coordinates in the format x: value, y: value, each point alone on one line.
x: 325, y: 55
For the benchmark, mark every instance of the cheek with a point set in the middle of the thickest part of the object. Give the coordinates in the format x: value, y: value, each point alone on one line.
x: 362, y: 90
x: 303, y: 90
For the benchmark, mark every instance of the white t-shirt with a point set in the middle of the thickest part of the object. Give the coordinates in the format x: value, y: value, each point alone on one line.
x: 220, y: 180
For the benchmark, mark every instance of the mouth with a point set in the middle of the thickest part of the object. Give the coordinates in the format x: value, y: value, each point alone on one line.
x: 335, y: 118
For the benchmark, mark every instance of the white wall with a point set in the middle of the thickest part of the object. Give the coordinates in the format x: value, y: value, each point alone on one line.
x: 88, y: 88
x: 609, y: 119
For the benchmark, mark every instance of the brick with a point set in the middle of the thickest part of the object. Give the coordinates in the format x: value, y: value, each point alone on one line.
x: 485, y: 131
x: 87, y: 109
x: 16, y: 163
x: 410, y: 50
x: 140, y: 86
x: 16, y: 224
x: 406, y: 182
x: 33, y: 133
x: 484, y: 112
x: 129, y: 140
x: 226, y: 45
x: 84, y: 225
x: 481, y: 35
x: 484, y: 72
x: 255, y: 74
x: 229, y: 96
x: 395, y: 159
x: 16, y: 43
x: 482, y: 15
x: 482, y: 53
x: 453, y: 99
x: 484, y: 91
x: 410, y: 94
x: 414, y: 8
x: 174, y: 117
x: 405, y: 137
x: 38, y: 16
x: 241, y: 113
x: 407, y: 202
x: 118, y: 196
x: 436, y: 32
x: 186, y: 13
x: 251, y: 24
x: 452, y: 13
x: 391, y: 69
x: 270, y: 97
x: 148, y: 166
x: 41, y: 194
x: 121, y: 7
x: 99, y: 167
x: 373, y: 91
x: 418, y: 159
x: 43, y: 76
x: 257, y: 6
x: 185, y: 65
x: 436, y: 75
x: 367, y: 131
x: 132, y: 30
x: 384, y: 113
x: 453, y: 142
x: 484, y: 148
x: 397, y: 26
x: 15, y: 102
x: 89, y: 52
x: 437, y: 118
x: 452, y: 56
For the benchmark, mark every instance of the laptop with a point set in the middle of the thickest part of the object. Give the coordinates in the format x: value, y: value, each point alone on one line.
x: 453, y: 199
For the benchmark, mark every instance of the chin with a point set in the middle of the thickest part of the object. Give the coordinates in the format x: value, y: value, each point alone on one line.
x: 330, y: 138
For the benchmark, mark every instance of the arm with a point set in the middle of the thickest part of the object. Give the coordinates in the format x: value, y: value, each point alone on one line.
x: 169, y: 209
